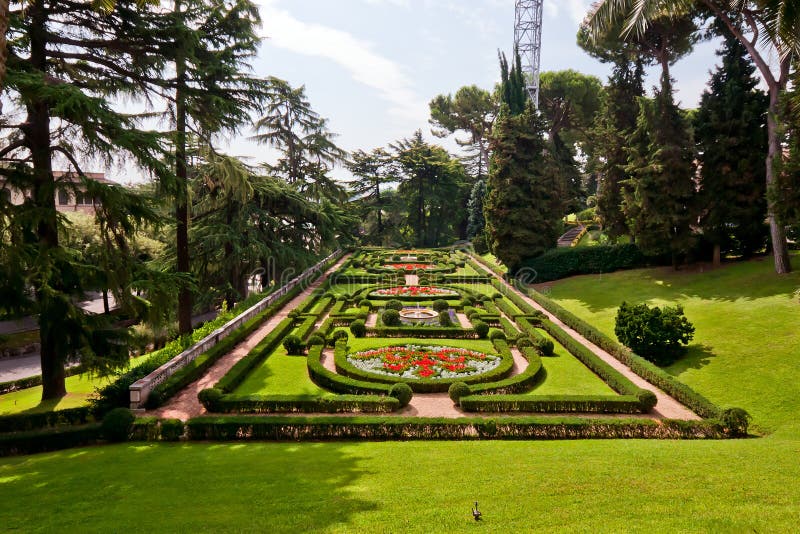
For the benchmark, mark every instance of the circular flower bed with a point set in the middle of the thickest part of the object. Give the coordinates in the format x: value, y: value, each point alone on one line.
x: 413, y: 362
x: 410, y: 266
x: 414, y: 291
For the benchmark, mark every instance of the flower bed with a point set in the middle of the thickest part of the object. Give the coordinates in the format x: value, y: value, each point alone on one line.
x: 424, y: 362
x: 414, y: 291
x: 410, y: 266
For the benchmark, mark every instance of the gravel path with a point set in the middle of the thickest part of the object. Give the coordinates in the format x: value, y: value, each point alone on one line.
x: 667, y: 407
x: 185, y: 404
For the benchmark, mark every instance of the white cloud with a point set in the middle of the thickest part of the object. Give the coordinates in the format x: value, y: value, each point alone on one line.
x: 576, y: 9
x: 358, y: 57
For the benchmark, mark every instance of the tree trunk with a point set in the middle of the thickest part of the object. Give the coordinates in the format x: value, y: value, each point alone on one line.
x: 182, y: 190
x: 37, y: 137
x: 106, y: 308
x: 3, y: 50
x: 717, y: 255
x: 780, y: 249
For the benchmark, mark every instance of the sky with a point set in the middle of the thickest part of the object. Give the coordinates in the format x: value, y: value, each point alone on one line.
x: 372, y: 66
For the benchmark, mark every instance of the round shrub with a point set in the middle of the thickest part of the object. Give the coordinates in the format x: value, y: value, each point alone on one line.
x: 647, y: 399
x: 497, y: 334
x: 401, y: 392
x: 210, y: 398
x: 314, y: 340
x: 544, y: 346
x: 391, y: 318
x: 736, y: 421
x: 365, y: 303
x: 467, y: 301
x: 657, y: 334
x: 444, y: 318
x: 394, y: 304
x: 117, y: 424
x: 458, y: 390
x: 339, y: 334
x: 358, y: 328
x: 481, y: 328
x: 293, y: 345
x: 441, y: 305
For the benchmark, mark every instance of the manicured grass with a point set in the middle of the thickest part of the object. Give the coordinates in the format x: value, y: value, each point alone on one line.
x: 341, y: 289
x: 748, y: 329
x: 580, y: 486
x: 483, y: 289
x: 491, y: 259
x: 280, y: 375
x: 566, y: 375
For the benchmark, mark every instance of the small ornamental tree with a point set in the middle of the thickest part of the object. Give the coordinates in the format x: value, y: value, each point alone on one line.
x: 656, y: 334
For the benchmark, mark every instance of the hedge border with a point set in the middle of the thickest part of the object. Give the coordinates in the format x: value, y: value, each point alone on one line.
x: 264, y: 404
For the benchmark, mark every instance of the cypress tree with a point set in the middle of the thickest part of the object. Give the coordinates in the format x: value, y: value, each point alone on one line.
x: 731, y: 136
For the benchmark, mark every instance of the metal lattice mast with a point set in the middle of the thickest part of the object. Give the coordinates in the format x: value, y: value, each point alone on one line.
x: 528, y: 40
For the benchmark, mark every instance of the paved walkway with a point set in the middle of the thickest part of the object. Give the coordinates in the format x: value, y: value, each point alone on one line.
x: 185, y: 404
x: 667, y: 407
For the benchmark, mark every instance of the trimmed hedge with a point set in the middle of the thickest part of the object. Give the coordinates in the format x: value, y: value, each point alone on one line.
x: 25, y: 422
x: 307, y: 404
x: 519, y: 383
x: 341, y: 384
x: 422, y: 332
x: 650, y: 372
x: 243, y: 428
x: 562, y: 262
x: 33, y: 381
x: 49, y: 440
x: 626, y: 404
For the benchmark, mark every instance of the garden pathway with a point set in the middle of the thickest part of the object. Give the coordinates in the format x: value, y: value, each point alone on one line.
x: 667, y: 407
x: 185, y: 403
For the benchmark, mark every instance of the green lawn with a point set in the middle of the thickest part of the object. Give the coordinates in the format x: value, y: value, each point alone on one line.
x: 748, y: 329
x: 566, y: 375
x: 491, y: 259
x: 280, y: 375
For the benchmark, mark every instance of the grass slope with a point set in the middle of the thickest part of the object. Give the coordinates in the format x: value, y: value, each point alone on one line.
x: 566, y: 375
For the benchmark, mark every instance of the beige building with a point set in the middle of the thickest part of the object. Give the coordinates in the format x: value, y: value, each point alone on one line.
x: 70, y: 194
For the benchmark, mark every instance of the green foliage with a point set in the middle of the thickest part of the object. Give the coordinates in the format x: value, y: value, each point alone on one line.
x: 441, y: 305
x: 563, y: 262
x: 552, y: 404
x: 544, y: 346
x: 365, y: 303
x: 481, y: 329
x: 339, y: 335
x: 444, y: 318
x: 314, y: 340
x: 117, y: 423
x: 25, y: 422
x: 391, y: 317
x: 736, y: 421
x: 497, y: 334
x: 263, y: 404
x: 49, y: 439
x: 358, y: 328
x: 476, y: 222
x: 457, y: 390
x: 210, y: 399
x: 401, y: 392
x: 294, y: 345
x: 658, y: 335
x: 394, y: 304
x: 172, y: 429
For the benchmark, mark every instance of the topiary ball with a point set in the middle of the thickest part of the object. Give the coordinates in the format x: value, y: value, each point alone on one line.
x: 441, y: 305
x: 294, y: 345
x: 444, y: 318
x: 647, y: 399
x: 358, y: 328
x: 314, y: 340
x: 458, y: 390
x: 401, y: 392
x: 481, y: 328
x: 394, y: 304
x: 117, y: 424
x: 391, y: 318
x: 497, y: 334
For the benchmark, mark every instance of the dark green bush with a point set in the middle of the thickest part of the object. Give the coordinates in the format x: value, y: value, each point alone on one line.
x: 481, y: 328
x: 401, y: 392
x: 365, y: 303
x: 497, y: 334
x: 396, y: 257
x: 294, y: 345
x: 468, y: 300
x: 441, y: 305
x: 339, y: 335
x: 117, y: 424
x: 315, y: 339
x: 544, y: 346
x: 23, y: 422
x: 444, y: 318
x: 458, y: 390
x: 658, y: 335
x: 736, y: 421
x: 647, y: 399
x: 563, y: 262
x: 358, y: 328
x: 171, y: 429
x: 394, y: 304
x: 210, y: 398
x: 391, y: 318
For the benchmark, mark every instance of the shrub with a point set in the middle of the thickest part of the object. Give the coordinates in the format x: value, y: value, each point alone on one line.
x: 117, y: 424
x: 656, y: 334
x: 365, y: 303
x: 293, y: 345
x: 358, y: 328
x: 396, y: 257
x: 394, y: 304
x: 481, y: 328
x: 444, y: 318
x: 544, y: 346
x: 391, y: 318
x: 171, y: 429
x: 467, y: 301
x: 524, y: 342
x: 497, y: 334
x: 441, y: 305
x: 339, y: 335
x: 315, y: 339
x: 736, y: 421
x: 497, y: 295
x: 458, y: 390
x: 401, y: 392
x: 294, y: 314
x: 647, y: 399
x: 563, y: 262
x: 210, y: 398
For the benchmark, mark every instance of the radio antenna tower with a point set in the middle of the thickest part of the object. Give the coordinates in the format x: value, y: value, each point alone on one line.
x: 528, y: 41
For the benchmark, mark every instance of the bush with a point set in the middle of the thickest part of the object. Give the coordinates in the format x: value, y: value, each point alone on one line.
x: 315, y: 339
x: 656, y: 334
x: 467, y: 301
x: 339, y: 335
x: 544, y: 346
x: 441, y: 305
x: 524, y: 342
x: 458, y: 390
x: 497, y: 295
x: 396, y: 257
x: 391, y: 318
x: 210, y: 399
x: 736, y: 421
x: 117, y: 424
x: 358, y: 328
x: 481, y: 328
x: 497, y: 334
x: 365, y: 303
x: 444, y: 318
x: 171, y: 429
x: 563, y: 262
x: 293, y: 345
x: 401, y: 392
x: 394, y: 304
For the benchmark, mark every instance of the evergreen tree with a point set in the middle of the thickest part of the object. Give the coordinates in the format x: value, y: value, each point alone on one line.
x: 522, y: 205
x: 477, y: 222
x: 512, y: 85
x: 659, y: 195
x: 731, y: 136
x: 371, y: 171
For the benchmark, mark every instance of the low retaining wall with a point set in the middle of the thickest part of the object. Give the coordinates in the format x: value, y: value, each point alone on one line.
x: 140, y: 390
